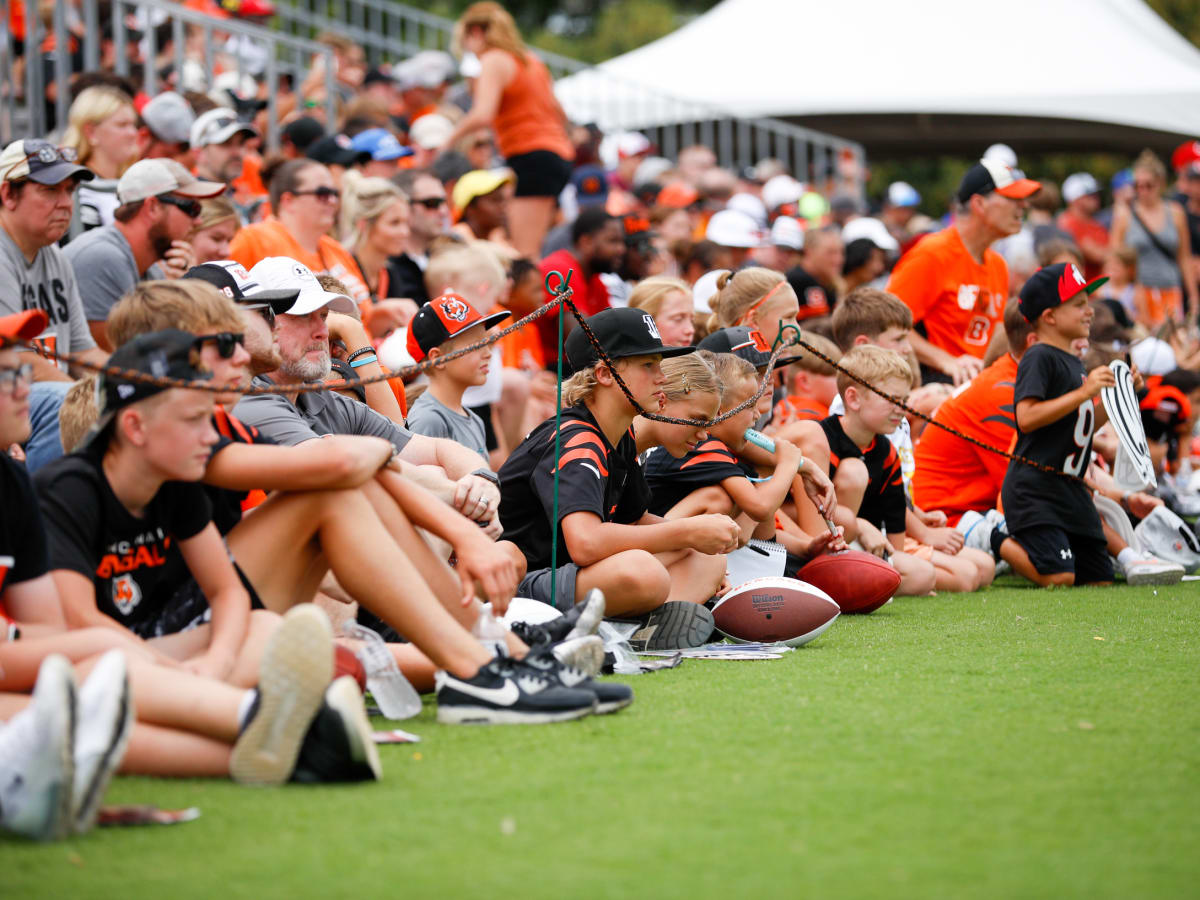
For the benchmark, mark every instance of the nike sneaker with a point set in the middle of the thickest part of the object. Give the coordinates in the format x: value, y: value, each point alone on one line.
x: 506, y: 691
x: 610, y: 695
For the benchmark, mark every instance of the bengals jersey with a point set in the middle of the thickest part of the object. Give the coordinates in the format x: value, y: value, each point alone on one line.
x: 594, y: 477
x: 672, y: 478
x: 953, y: 474
x: 883, y: 504
x: 955, y: 300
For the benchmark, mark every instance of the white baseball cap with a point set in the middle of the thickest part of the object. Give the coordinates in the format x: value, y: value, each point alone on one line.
x: 787, y: 232
x: 733, y: 228
x: 871, y: 229
x: 1081, y: 184
x: 1002, y: 153
x: 151, y: 177
x: 901, y: 193
x: 217, y: 126
x: 282, y: 272
x: 781, y: 190
x: 1153, y: 356
x: 704, y: 289
x: 751, y: 206
x: 430, y: 131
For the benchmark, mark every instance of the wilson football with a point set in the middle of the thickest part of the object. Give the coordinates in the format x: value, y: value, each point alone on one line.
x: 775, y: 609
x: 858, y: 582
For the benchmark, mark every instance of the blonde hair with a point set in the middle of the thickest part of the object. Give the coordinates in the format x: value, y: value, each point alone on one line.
x: 738, y: 292
x: 1148, y: 161
x: 873, y: 365
x: 499, y: 29
x: 462, y: 268
x: 214, y: 211
x: 812, y: 364
x: 689, y: 374
x: 868, y: 311
x: 91, y: 107
x: 363, y: 200
x: 78, y: 413
x: 188, y: 304
x: 650, y: 293
x: 580, y: 386
x: 730, y: 369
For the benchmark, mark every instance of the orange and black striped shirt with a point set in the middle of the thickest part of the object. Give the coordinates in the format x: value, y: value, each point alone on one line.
x: 883, y: 504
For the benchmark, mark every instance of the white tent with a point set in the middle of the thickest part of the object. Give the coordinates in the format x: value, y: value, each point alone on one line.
x: 1111, y: 62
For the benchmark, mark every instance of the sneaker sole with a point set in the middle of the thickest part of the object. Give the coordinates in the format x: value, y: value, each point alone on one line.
x: 604, y: 709
x: 675, y: 625
x: 89, y: 808
x: 591, y: 617
x: 482, y: 715
x: 344, y: 697
x: 57, y: 699
x: 1151, y: 578
x: 580, y: 653
x: 296, y: 668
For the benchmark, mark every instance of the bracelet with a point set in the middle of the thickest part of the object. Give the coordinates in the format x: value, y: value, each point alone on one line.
x: 364, y: 361
x: 361, y: 351
x: 487, y: 475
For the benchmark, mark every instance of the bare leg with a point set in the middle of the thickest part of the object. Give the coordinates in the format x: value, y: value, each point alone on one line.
x: 850, y: 481
x: 695, y: 576
x: 917, y: 577
x: 529, y: 218
x: 187, y: 644
x: 634, y: 582
x: 985, y: 566
x: 154, y: 750
x: 20, y: 660
x: 953, y: 573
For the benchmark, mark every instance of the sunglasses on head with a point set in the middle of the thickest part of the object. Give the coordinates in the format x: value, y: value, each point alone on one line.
x: 430, y: 202
x: 190, y: 207
x: 227, y: 342
x: 322, y: 193
x: 45, y: 153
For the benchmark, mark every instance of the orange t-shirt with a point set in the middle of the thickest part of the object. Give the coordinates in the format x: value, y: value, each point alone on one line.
x: 800, y: 407
x: 958, y: 300
x: 523, y: 348
x: 954, y: 475
x: 528, y: 117
x: 255, y: 242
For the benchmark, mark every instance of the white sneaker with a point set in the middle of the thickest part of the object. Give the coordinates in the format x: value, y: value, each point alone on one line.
x: 1151, y: 570
x: 976, y: 528
x: 37, y: 761
x: 104, y: 722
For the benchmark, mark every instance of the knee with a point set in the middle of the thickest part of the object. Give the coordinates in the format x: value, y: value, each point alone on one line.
x: 1058, y: 579
x: 712, y: 499
x: 851, y: 476
x: 640, y: 574
x: 921, y: 578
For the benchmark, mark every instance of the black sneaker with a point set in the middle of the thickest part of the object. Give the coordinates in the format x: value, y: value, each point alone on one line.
x: 579, y: 621
x: 610, y: 695
x: 339, y: 745
x: 509, y: 692
x: 675, y: 625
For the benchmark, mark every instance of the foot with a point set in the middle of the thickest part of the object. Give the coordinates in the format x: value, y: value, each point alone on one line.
x: 610, y: 695
x: 103, y: 724
x: 37, y: 757
x: 509, y: 692
x: 339, y: 745
x: 296, y: 668
x: 1149, y: 569
x: 676, y: 625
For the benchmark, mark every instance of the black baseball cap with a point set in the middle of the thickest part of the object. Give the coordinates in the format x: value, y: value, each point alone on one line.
x: 622, y: 332
x: 303, y: 132
x: 41, y: 161
x: 990, y: 175
x: 441, y: 319
x: 335, y: 150
x: 746, y: 342
x: 1053, y: 286
x: 164, y: 354
x: 232, y: 280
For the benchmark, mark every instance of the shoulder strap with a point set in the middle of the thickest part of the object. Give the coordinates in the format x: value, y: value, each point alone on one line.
x: 1158, y: 245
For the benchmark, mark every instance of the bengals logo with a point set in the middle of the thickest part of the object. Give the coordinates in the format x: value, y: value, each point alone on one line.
x: 125, y: 593
x: 455, y: 310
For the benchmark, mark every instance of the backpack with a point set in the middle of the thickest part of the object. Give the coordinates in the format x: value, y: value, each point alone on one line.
x: 1169, y: 538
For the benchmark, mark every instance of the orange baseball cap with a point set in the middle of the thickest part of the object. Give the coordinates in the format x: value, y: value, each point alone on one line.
x: 677, y: 195
x: 23, y: 326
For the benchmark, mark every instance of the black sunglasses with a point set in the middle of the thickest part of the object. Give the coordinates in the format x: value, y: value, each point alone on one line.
x: 430, y: 202
x: 190, y: 208
x: 227, y: 342
x: 321, y: 193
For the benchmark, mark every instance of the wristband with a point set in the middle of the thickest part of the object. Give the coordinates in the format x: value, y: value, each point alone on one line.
x: 361, y: 351
x: 364, y: 361
x: 487, y: 475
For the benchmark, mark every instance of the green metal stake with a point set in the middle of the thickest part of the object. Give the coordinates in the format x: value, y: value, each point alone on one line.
x: 562, y: 288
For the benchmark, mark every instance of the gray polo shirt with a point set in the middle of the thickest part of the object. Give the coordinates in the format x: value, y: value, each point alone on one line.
x: 433, y: 418
x: 48, y: 284
x: 314, y: 414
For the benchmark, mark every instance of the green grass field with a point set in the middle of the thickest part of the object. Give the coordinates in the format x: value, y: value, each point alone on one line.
x: 1015, y: 743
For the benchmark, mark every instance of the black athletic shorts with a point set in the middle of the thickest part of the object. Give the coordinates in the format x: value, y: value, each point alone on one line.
x: 540, y: 173
x: 188, y: 608
x: 1052, y: 551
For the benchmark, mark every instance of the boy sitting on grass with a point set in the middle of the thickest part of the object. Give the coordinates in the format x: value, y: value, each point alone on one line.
x: 442, y: 326
x: 1055, y: 533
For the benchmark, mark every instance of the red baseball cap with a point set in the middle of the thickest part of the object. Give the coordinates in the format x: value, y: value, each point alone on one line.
x: 1185, y: 154
x: 23, y: 326
x: 441, y: 319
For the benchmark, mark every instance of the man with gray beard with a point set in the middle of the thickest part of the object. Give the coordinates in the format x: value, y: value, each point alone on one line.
x: 292, y: 418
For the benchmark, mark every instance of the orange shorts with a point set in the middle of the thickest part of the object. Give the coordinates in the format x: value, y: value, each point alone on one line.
x: 916, y: 548
x: 1157, y: 304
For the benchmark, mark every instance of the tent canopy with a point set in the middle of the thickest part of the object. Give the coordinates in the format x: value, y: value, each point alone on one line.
x: 1108, y: 74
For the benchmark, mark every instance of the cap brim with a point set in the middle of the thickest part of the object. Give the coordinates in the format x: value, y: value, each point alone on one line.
x: 229, y: 131
x: 60, y: 172
x: 1020, y: 189
x: 201, y: 190
x: 23, y: 326
x: 664, y: 352
x: 280, y: 300
x: 314, y: 301
x: 1095, y: 283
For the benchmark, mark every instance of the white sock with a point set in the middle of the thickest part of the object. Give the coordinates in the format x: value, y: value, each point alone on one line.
x: 244, y: 707
x: 1127, y: 556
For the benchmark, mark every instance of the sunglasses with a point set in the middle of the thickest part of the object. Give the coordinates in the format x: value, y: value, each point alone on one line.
x: 45, y: 153
x: 10, y: 378
x: 321, y: 193
x: 227, y: 342
x: 430, y: 202
x: 190, y: 207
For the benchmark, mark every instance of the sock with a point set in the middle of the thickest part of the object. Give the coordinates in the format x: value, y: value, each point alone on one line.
x: 999, y: 535
x: 1125, y: 557
x: 244, y: 707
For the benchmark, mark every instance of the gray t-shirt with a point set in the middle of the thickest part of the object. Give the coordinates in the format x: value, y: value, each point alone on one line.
x: 105, y: 266
x: 49, y: 285
x: 314, y: 414
x: 433, y: 418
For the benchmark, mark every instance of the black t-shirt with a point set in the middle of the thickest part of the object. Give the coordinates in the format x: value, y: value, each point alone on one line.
x: 815, y: 299
x: 1032, y: 497
x: 883, y: 503
x: 671, y: 478
x: 595, y: 477
x: 227, y: 504
x: 133, y: 562
x: 22, y: 537
x: 405, y: 279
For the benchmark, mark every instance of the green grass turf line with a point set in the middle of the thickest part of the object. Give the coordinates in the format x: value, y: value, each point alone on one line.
x: 984, y: 745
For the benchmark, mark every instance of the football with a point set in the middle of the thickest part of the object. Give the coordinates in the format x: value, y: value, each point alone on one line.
x: 858, y: 582
x: 346, y: 663
x: 775, y: 610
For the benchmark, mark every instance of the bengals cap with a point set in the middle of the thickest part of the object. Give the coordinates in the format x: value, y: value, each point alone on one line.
x: 621, y: 331
x: 746, y: 342
x: 441, y: 319
x: 1053, y: 286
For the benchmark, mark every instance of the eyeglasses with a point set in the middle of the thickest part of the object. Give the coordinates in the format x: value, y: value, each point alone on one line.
x: 190, y: 207
x: 10, y: 378
x: 227, y: 342
x: 268, y: 314
x: 430, y: 202
x: 322, y: 193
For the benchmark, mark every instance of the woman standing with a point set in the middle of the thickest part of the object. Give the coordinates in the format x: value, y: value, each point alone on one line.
x: 514, y: 96
x: 102, y: 130
x: 1156, y: 228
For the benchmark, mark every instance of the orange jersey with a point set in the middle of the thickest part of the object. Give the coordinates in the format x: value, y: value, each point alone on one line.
x: 256, y: 242
x: 795, y: 407
x: 958, y: 300
x: 954, y: 475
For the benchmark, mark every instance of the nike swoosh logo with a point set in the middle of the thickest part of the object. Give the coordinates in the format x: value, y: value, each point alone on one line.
x: 505, y: 696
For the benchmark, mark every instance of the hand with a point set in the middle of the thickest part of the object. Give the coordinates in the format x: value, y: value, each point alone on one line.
x: 16, y: 453
x: 482, y: 562
x: 178, y: 259
x: 945, y: 540
x: 713, y: 533
x: 1098, y: 379
x: 476, y: 498
x: 1141, y: 504
x: 934, y: 518
x: 963, y: 369
x: 827, y: 542
x: 348, y: 330
x: 819, y: 489
x: 1138, y: 381
x: 210, y: 665
x: 872, y: 540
